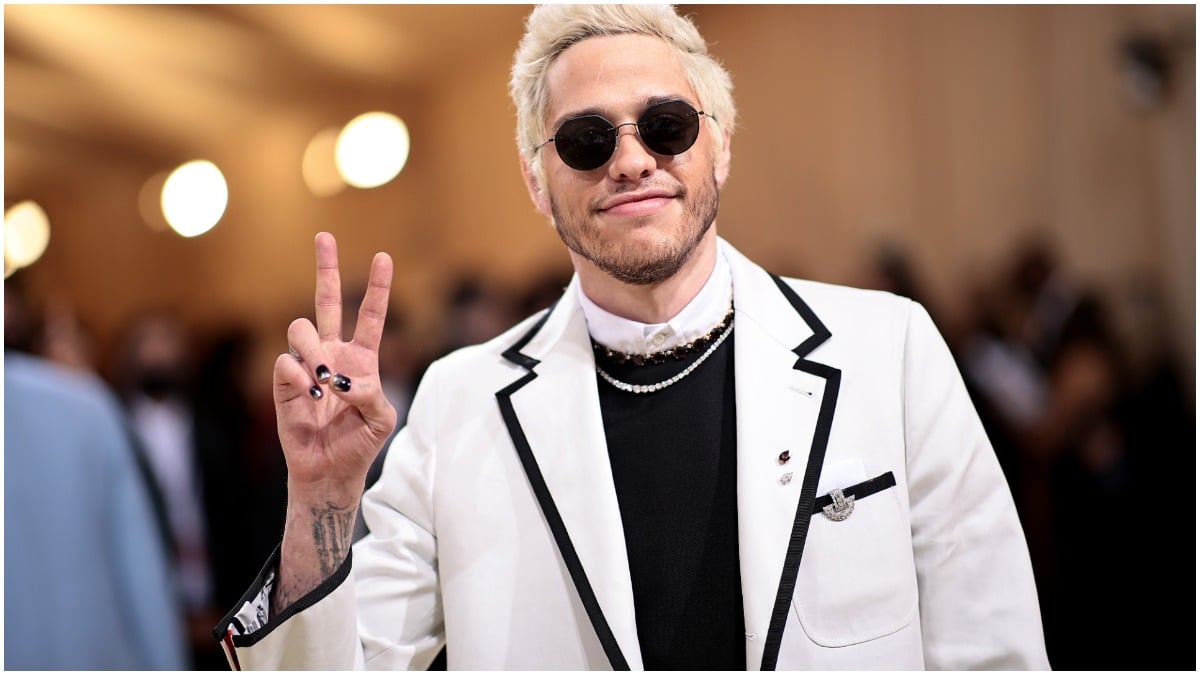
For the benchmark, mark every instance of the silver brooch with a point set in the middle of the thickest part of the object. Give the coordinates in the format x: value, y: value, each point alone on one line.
x: 841, y: 508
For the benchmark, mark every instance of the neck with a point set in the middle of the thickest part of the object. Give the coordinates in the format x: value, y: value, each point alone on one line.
x: 654, y: 303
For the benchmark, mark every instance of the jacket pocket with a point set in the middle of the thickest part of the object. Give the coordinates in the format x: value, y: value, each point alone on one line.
x: 857, y: 581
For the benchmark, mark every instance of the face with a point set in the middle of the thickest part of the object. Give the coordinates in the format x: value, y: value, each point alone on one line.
x: 641, y: 215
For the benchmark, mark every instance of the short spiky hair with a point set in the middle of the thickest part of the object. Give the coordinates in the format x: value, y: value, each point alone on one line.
x: 551, y: 29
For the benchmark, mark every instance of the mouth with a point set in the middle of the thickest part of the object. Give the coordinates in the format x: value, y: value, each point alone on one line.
x: 639, y: 203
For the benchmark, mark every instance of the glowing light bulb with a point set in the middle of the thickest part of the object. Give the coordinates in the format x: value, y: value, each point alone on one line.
x: 194, y: 198
x: 372, y: 149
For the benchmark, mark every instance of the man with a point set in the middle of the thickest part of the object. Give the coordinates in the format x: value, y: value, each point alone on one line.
x: 624, y: 481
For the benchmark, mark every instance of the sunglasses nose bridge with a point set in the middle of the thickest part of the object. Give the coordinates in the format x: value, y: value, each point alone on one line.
x: 616, y: 130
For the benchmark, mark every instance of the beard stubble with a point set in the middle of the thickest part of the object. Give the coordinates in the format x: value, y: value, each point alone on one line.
x: 634, y: 263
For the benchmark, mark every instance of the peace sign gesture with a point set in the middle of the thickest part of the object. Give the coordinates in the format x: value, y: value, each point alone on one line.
x: 333, y: 419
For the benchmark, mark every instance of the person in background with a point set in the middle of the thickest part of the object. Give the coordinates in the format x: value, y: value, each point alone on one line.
x: 154, y: 376
x: 87, y: 582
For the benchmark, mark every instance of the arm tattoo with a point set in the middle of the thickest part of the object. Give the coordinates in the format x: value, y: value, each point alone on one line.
x: 332, y: 534
x: 332, y: 530
x: 282, y: 597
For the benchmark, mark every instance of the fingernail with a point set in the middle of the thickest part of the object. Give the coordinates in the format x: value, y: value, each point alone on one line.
x: 323, y: 373
x: 341, y: 383
x: 315, y: 392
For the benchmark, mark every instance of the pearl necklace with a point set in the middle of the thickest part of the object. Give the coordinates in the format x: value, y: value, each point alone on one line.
x: 650, y: 388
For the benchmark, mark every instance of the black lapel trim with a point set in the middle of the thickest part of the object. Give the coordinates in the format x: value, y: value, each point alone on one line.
x: 816, y: 457
x: 549, y: 510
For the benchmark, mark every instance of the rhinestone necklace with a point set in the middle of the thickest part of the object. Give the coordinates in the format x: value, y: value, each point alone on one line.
x: 658, y: 386
x: 678, y: 353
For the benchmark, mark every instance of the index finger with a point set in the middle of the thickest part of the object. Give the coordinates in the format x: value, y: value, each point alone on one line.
x: 329, y: 289
x: 371, y: 314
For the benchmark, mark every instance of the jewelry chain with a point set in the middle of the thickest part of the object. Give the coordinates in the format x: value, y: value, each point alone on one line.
x: 679, y: 352
x: 659, y: 386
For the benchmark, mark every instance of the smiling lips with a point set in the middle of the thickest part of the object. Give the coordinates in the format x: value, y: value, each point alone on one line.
x: 637, y: 203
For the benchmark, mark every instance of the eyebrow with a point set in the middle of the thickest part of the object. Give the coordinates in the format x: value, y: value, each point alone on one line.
x: 599, y: 112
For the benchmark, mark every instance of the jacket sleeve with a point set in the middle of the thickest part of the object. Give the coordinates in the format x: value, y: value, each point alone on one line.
x: 382, y: 608
x: 978, y: 603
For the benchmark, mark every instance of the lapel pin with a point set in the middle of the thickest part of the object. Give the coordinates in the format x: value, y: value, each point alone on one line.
x: 785, y: 456
x: 785, y: 478
x: 841, y: 508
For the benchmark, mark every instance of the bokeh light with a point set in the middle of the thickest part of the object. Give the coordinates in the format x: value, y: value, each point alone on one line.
x: 372, y: 149
x: 26, y: 235
x: 150, y: 202
x: 319, y: 166
x: 194, y: 198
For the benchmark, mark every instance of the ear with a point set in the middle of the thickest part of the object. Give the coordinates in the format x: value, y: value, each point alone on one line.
x: 721, y: 164
x: 541, y: 201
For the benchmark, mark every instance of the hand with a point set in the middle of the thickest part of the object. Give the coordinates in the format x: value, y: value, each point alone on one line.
x: 333, y: 419
x: 332, y: 415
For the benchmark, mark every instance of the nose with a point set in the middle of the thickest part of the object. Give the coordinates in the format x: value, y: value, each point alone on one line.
x: 631, y: 159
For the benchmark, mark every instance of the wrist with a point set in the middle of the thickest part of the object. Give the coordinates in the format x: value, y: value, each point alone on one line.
x: 325, y: 492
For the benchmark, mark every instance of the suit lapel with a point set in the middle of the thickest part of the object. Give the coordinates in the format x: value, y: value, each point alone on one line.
x: 785, y: 404
x: 552, y: 413
x: 785, y: 407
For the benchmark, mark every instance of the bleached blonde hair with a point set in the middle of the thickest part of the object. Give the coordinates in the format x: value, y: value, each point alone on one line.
x: 551, y: 29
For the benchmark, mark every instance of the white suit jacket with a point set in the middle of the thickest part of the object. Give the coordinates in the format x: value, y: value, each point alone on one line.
x: 495, y: 528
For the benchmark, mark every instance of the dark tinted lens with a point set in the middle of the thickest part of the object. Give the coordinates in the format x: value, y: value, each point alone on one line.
x: 585, y: 143
x: 669, y: 128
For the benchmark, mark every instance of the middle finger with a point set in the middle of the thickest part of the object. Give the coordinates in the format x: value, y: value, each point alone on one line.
x: 329, y: 289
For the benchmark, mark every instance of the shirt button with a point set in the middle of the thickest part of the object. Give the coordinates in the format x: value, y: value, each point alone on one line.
x: 658, y: 339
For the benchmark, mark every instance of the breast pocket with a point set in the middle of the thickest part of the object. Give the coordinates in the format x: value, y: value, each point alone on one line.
x: 857, y: 581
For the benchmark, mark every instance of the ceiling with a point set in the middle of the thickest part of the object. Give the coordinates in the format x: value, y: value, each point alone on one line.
x: 85, y: 85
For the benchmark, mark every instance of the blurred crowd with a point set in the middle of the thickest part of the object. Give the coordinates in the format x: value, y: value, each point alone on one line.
x: 1095, y: 433
x: 1093, y: 420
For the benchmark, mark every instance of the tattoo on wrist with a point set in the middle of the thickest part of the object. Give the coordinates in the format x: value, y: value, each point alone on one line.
x: 332, y: 530
x: 281, y: 597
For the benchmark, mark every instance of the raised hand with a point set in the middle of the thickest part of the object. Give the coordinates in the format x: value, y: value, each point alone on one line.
x: 333, y: 419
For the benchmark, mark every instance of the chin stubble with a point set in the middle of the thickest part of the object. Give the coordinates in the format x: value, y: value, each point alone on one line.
x: 627, y: 268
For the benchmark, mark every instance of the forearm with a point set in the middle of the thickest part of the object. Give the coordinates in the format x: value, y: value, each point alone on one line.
x: 318, y: 532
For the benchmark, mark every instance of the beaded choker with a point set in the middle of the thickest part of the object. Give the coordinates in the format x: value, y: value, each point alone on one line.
x: 697, y: 346
x: 659, y: 386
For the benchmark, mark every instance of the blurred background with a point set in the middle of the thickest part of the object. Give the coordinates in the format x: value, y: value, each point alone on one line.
x: 1027, y: 172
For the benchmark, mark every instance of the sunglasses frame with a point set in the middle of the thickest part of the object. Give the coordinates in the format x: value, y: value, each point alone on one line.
x: 613, y: 133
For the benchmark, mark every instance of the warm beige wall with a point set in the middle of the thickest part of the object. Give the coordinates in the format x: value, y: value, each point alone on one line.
x: 948, y: 129
x: 954, y: 130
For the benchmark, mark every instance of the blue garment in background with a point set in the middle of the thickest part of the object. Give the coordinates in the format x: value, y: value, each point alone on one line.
x: 86, y: 579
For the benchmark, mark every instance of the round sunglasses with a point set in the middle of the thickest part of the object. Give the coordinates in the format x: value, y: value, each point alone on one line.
x: 588, y: 142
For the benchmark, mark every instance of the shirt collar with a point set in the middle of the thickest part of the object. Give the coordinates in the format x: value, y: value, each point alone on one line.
x: 697, y: 318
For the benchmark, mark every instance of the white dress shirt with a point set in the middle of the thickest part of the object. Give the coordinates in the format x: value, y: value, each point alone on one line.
x: 697, y: 318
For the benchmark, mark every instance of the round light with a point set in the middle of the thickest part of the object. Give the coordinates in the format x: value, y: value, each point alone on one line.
x: 194, y: 198
x: 26, y: 235
x: 372, y: 149
x: 319, y: 167
x: 150, y: 202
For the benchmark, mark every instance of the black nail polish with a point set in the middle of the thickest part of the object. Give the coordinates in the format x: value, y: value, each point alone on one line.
x: 315, y: 392
x: 323, y: 373
x: 341, y: 383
